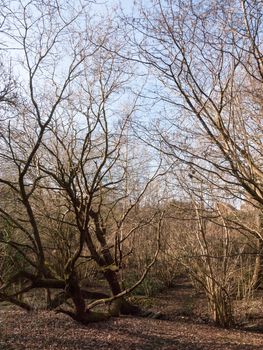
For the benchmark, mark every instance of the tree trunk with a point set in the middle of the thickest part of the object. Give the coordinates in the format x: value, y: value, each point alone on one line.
x: 121, y: 305
x: 258, y: 267
x: 81, y: 314
x: 221, y: 309
x: 73, y: 290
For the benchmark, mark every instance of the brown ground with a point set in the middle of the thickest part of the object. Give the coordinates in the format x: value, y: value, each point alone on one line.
x: 180, y: 330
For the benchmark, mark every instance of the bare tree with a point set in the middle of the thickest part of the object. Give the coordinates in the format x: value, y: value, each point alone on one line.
x: 207, y: 57
x: 63, y: 168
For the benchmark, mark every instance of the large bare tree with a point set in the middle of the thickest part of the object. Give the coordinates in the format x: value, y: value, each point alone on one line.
x: 65, y: 178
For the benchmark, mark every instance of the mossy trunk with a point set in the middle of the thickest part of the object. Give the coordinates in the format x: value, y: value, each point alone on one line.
x: 106, y: 261
x: 121, y: 305
x: 81, y: 314
x: 73, y: 290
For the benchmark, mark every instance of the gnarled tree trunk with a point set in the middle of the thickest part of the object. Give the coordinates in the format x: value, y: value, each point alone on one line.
x: 81, y: 314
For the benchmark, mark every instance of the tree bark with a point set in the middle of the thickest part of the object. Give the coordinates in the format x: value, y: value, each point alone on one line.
x: 258, y: 267
x: 81, y: 314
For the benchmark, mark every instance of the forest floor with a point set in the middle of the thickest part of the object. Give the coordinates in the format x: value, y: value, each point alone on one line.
x: 185, y: 326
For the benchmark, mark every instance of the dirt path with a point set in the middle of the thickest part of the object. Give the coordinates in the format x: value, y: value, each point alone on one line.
x: 44, y: 330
